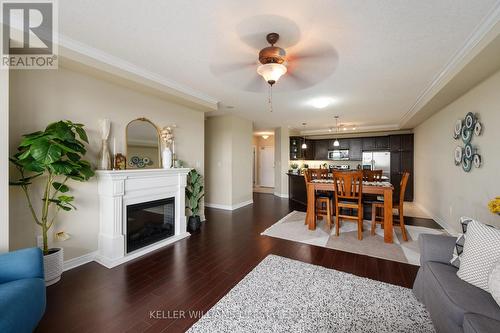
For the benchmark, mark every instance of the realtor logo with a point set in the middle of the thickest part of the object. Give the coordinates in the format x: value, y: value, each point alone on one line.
x: 28, y: 34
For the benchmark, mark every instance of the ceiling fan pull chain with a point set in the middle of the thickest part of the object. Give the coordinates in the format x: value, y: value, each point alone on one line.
x: 270, y: 100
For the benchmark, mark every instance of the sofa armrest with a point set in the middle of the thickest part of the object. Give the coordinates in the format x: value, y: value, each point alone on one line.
x: 21, y: 264
x: 475, y: 323
x: 438, y: 248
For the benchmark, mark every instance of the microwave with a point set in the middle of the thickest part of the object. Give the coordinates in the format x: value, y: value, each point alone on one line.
x: 338, y: 155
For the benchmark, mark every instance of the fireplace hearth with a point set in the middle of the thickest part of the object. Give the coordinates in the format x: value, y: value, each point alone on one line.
x: 149, y: 222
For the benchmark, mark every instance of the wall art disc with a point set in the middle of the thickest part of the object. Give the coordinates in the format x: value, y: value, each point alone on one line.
x: 458, y: 155
x: 135, y: 159
x: 458, y: 129
x: 466, y: 165
x: 468, y: 152
x: 477, y: 160
x: 466, y: 135
x: 146, y: 160
x: 478, y: 128
x: 470, y: 120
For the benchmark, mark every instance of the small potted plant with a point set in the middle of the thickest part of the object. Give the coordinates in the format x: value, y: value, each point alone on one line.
x: 54, y: 156
x: 295, y: 168
x: 194, y: 193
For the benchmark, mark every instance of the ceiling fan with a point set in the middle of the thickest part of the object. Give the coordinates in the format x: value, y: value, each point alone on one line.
x: 304, y: 65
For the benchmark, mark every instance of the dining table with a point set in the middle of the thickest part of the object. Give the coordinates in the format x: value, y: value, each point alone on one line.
x: 379, y: 188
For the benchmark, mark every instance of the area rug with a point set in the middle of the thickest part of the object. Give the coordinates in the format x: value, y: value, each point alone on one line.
x: 292, y: 227
x: 284, y: 295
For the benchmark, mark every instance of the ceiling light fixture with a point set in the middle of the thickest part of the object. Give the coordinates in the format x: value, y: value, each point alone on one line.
x: 265, y: 137
x: 336, y: 143
x: 321, y: 102
x: 272, y: 67
x: 304, y: 145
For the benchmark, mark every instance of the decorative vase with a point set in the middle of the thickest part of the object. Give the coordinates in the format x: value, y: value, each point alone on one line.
x: 53, y: 265
x: 194, y: 223
x: 166, y: 158
x: 104, y: 157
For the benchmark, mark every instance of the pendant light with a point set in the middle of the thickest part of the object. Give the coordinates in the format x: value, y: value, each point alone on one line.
x: 304, y: 145
x: 336, y: 143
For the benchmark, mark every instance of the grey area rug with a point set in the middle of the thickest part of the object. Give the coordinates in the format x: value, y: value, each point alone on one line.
x: 284, y: 295
x: 292, y: 227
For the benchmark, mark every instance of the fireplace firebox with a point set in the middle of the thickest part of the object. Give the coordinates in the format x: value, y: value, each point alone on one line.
x: 149, y: 222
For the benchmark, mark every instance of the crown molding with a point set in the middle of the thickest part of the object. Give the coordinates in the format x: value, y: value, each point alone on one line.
x: 89, y: 56
x: 463, y: 56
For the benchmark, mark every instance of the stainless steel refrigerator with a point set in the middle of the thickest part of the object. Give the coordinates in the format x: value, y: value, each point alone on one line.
x: 378, y: 160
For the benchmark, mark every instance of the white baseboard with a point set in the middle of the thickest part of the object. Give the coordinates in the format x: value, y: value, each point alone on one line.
x: 78, y: 261
x: 281, y: 195
x: 229, y: 207
x: 438, y: 220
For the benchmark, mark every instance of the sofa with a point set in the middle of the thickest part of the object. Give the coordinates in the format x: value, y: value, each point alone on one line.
x: 22, y: 290
x: 454, y: 305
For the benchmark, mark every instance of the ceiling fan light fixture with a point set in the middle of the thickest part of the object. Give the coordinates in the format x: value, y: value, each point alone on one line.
x: 271, y: 72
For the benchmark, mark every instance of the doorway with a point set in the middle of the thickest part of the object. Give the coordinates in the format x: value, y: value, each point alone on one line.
x: 266, y: 166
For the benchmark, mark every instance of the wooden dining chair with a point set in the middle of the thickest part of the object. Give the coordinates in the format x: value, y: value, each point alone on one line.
x: 348, y: 194
x: 398, y: 204
x: 322, y: 201
x: 372, y: 175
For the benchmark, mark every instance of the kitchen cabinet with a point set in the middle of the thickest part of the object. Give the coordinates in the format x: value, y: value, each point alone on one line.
x: 321, y: 150
x: 308, y: 153
x: 401, y: 147
x: 356, y: 149
x: 376, y: 143
x: 296, y: 150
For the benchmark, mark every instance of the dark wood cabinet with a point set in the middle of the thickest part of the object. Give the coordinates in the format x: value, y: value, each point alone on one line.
x: 356, y: 149
x: 299, y: 153
x: 344, y: 143
x: 297, y: 188
x: 321, y: 150
x: 382, y: 142
x: 368, y: 143
x: 308, y: 153
x: 401, y: 147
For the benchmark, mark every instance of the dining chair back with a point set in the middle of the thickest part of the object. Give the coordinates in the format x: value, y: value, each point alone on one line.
x: 318, y: 173
x: 372, y: 175
x: 348, y: 195
x: 322, y: 201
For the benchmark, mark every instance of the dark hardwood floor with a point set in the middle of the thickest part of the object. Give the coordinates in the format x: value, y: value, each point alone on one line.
x: 193, y: 274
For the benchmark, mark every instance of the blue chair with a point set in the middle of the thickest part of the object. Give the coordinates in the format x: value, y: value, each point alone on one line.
x: 22, y: 290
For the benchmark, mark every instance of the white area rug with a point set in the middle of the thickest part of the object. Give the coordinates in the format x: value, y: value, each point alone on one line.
x: 292, y: 227
x: 284, y: 295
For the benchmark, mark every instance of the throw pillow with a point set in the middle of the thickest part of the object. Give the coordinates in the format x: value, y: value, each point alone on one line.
x: 459, y: 244
x: 494, y: 283
x: 481, y: 253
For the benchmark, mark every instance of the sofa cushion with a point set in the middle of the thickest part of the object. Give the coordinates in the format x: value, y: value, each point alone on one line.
x: 22, y: 304
x: 481, y: 253
x: 454, y: 297
x: 474, y: 323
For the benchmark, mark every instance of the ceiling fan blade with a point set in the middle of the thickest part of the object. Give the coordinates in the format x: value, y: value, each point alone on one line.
x: 257, y: 84
x: 223, y: 69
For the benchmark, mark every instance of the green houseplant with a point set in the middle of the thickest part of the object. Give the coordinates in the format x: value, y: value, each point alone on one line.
x: 194, y: 193
x: 56, y: 155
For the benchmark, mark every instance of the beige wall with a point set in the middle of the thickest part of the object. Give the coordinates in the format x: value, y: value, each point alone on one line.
x: 40, y: 97
x: 281, y: 158
x: 258, y: 142
x: 4, y: 162
x: 442, y: 188
x: 228, y: 161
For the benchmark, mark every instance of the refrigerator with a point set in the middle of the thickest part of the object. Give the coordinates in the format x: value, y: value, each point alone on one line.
x: 378, y: 160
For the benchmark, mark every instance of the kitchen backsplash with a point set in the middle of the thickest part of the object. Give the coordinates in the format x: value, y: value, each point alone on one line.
x: 316, y: 164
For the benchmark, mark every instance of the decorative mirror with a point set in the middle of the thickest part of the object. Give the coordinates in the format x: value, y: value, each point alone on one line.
x: 142, y: 145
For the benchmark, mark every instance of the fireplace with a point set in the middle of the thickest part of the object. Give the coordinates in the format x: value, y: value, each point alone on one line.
x: 140, y: 210
x: 149, y: 222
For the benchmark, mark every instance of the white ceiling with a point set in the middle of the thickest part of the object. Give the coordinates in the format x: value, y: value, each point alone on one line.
x: 383, y: 54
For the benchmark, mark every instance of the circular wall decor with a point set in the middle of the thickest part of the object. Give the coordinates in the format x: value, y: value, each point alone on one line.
x: 477, y: 160
x: 464, y: 130
x: 470, y: 120
x: 458, y: 155
x: 466, y: 165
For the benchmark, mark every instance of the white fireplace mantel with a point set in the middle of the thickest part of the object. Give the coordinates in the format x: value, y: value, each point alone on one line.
x: 119, y: 188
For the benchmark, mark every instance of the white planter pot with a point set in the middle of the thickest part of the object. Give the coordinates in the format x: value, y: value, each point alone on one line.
x: 53, y: 266
x: 166, y: 158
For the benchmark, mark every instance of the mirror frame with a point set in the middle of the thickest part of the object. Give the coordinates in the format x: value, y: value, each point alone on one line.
x: 157, y: 135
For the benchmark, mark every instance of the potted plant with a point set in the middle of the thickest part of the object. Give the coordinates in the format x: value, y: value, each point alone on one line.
x: 294, y: 167
x: 55, y: 155
x: 194, y: 193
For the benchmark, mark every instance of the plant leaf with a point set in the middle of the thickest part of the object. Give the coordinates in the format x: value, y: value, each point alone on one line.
x: 81, y: 133
x: 45, y: 152
x: 60, y: 187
